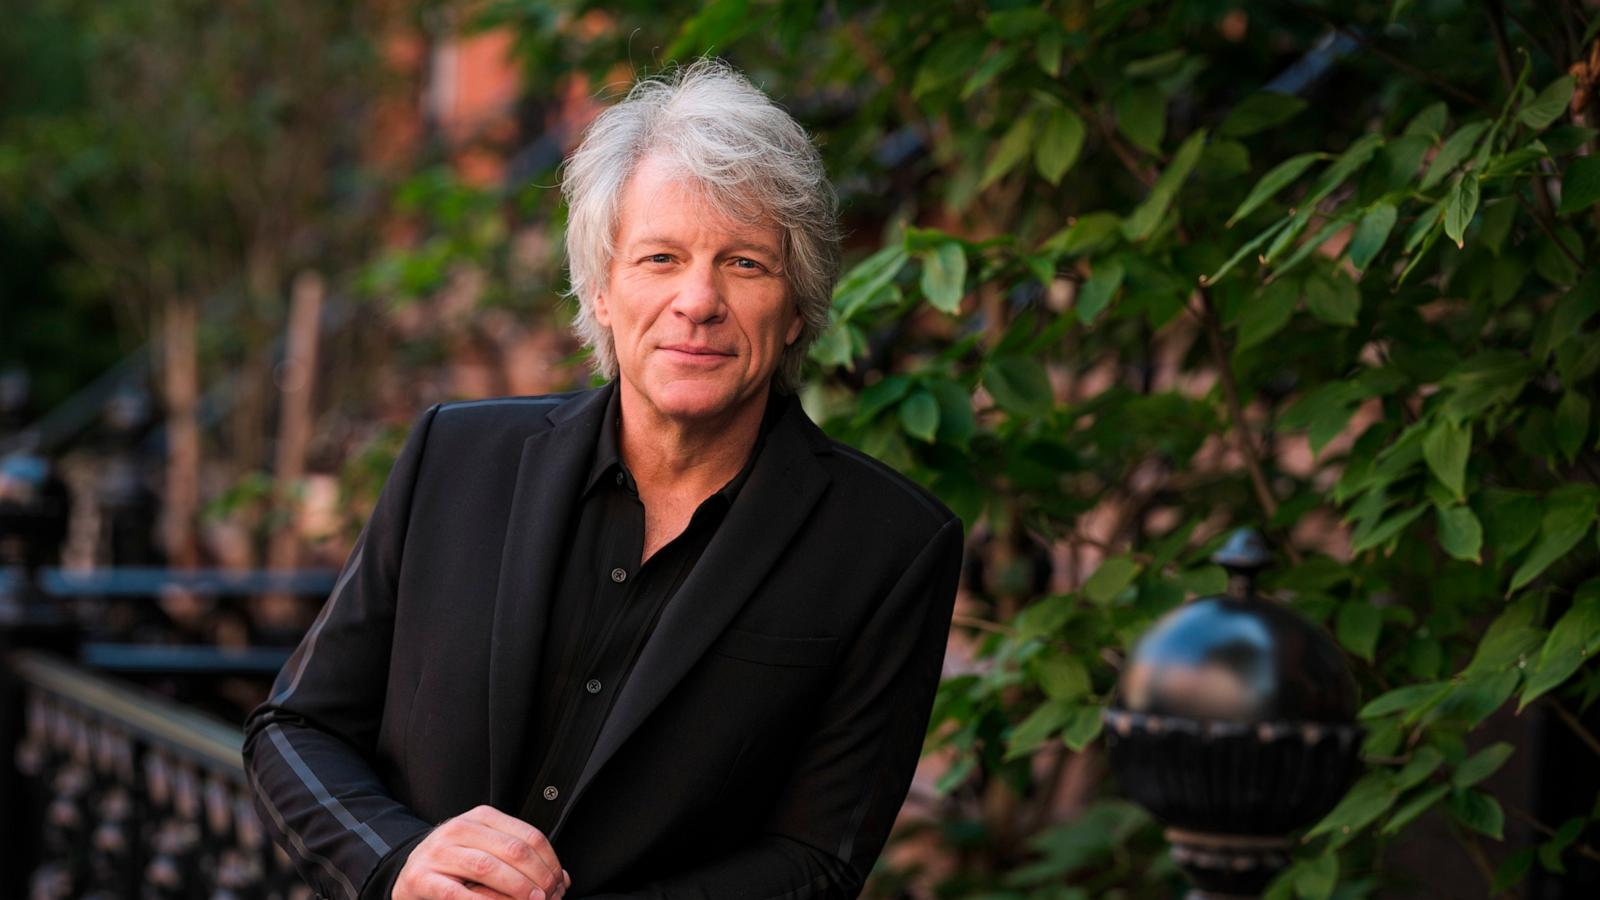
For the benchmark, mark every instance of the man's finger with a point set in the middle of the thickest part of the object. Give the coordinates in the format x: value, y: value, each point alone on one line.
x: 470, y: 864
x: 526, y: 858
x: 441, y: 887
x: 523, y: 832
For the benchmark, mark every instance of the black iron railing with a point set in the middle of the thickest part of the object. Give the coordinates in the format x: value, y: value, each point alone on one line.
x: 137, y: 796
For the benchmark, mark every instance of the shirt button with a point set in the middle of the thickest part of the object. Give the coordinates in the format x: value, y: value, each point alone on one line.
x: 550, y: 792
x: 621, y: 479
x: 619, y: 575
x: 593, y: 686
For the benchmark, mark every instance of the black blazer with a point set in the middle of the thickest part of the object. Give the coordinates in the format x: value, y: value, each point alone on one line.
x: 761, y: 746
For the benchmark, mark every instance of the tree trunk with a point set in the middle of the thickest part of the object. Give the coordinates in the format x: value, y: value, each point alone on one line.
x: 295, y: 414
x: 181, y: 385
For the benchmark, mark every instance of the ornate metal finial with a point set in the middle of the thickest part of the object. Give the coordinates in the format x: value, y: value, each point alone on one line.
x: 1245, y: 555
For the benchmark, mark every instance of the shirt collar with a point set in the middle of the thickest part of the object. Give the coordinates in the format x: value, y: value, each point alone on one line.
x: 608, y: 463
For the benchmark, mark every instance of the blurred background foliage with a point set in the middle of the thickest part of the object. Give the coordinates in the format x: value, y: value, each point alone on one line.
x: 1122, y: 276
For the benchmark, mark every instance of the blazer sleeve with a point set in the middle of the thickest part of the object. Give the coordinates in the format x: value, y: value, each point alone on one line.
x: 309, y: 749
x: 852, y: 775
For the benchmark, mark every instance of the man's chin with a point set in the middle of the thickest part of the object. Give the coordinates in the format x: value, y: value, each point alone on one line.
x: 699, y: 402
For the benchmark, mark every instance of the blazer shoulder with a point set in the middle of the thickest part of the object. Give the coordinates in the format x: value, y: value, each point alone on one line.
x: 869, y: 480
x: 509, y: 418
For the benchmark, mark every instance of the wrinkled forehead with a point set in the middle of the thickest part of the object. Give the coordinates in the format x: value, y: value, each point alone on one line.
x: 659, y: 181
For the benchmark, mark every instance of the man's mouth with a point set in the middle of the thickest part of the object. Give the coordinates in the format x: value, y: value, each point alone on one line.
x: 696, y: 350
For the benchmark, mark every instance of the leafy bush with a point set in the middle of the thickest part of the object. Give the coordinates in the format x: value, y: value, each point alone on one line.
x: 1129, y: 274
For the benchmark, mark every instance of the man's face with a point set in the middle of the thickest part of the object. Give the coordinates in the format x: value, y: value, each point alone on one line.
x: 696, y: 303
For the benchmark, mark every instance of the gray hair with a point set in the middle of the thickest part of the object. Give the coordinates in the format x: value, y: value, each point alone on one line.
x: 751, y: 160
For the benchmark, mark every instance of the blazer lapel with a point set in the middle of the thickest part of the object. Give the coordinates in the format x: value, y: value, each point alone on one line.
x: 783, y: 487
x: 549, y: 476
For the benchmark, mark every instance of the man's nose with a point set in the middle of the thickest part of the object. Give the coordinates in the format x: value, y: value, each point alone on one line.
x: 700, y: 298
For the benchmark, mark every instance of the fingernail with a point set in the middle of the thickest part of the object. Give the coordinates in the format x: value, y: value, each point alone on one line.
x: 536, y: 895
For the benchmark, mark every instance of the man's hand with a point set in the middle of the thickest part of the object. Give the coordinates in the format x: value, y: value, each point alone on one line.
x: 482, y: 853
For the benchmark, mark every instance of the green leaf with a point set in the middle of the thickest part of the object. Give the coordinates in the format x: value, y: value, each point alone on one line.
x: 1367, y: 800
x: 1422, y: 764
x: 1459, y: 208
x: 1014, y: 147
x: 1549, y: 105
x: 1143, y: 221
x: 1571, y: 423
x: 1037, y: 728
x: 1060, y: 141
x: 1515, y: 869
x: 1414, y: 807
x: 1564, y: 139
x: 1333, y: 299
x: 1250, y: 246
x: 1481, y: 765
x: 718, y: 23
x: 879, y: 396
x: 1087, y: 233
x: 1357, y: 626
x: 1364, y: 540
x: 1409, y: 697
x: 1019, y: 24
x: 944, y: 276
x: 1509, y: 640
x: 1142, y: 116
x: 835, y: 348
x: 857, y: 289
x: 919, y: 416
x: 1276, y: 179
x: 1552, y: 262
x: 1478, y: 811
x: 1097, y: 292
x: 1268, y: 312
x: 956, y: 775
x: 1460, y: 535
x: 1569, y: 511
x: 1372, y: 233
x: 1513, y: 163
x: 1573, y: 640
x: 957, y: 423
x: 1110, y: 579
x: 1571, y: 312
x: 1445, y: 448
x: 1346, y: 164
x: 1048, y: 52
x: 1261, y: 111
x: 1063, y: 677
x: 1019, y: 385
x: 1496, y: 227
x: 1550, y: 851
x: 998, y: 62
x: 1580, y: 186
x: 1081, y: 728
x: 1454, y: 151
x: 1316, y: 878
x: 1043, y: 618
x: 1429, y: 122
x: 1475, y: 698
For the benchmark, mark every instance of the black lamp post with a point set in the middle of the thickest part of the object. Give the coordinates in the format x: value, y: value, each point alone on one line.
x: 1234, y: 725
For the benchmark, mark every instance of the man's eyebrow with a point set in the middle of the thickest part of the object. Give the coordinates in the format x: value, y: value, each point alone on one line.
x: 661, y: 240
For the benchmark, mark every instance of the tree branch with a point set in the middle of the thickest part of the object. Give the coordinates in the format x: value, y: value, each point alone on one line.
x: 1393, y: 60
x: 1241, y: 433
x: 1572, y: 722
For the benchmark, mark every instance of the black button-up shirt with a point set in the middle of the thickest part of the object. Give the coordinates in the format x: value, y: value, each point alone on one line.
x: 605, y: 605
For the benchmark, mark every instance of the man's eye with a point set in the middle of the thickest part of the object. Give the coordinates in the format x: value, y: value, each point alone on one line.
x: 744, y: 262
x: 658, y: 258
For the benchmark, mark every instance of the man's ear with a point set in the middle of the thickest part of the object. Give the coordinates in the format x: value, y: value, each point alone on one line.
x: 602, y: 313
x: 796, y: 325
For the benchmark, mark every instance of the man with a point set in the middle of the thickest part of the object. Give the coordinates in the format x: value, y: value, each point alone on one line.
x: 661, y: 639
